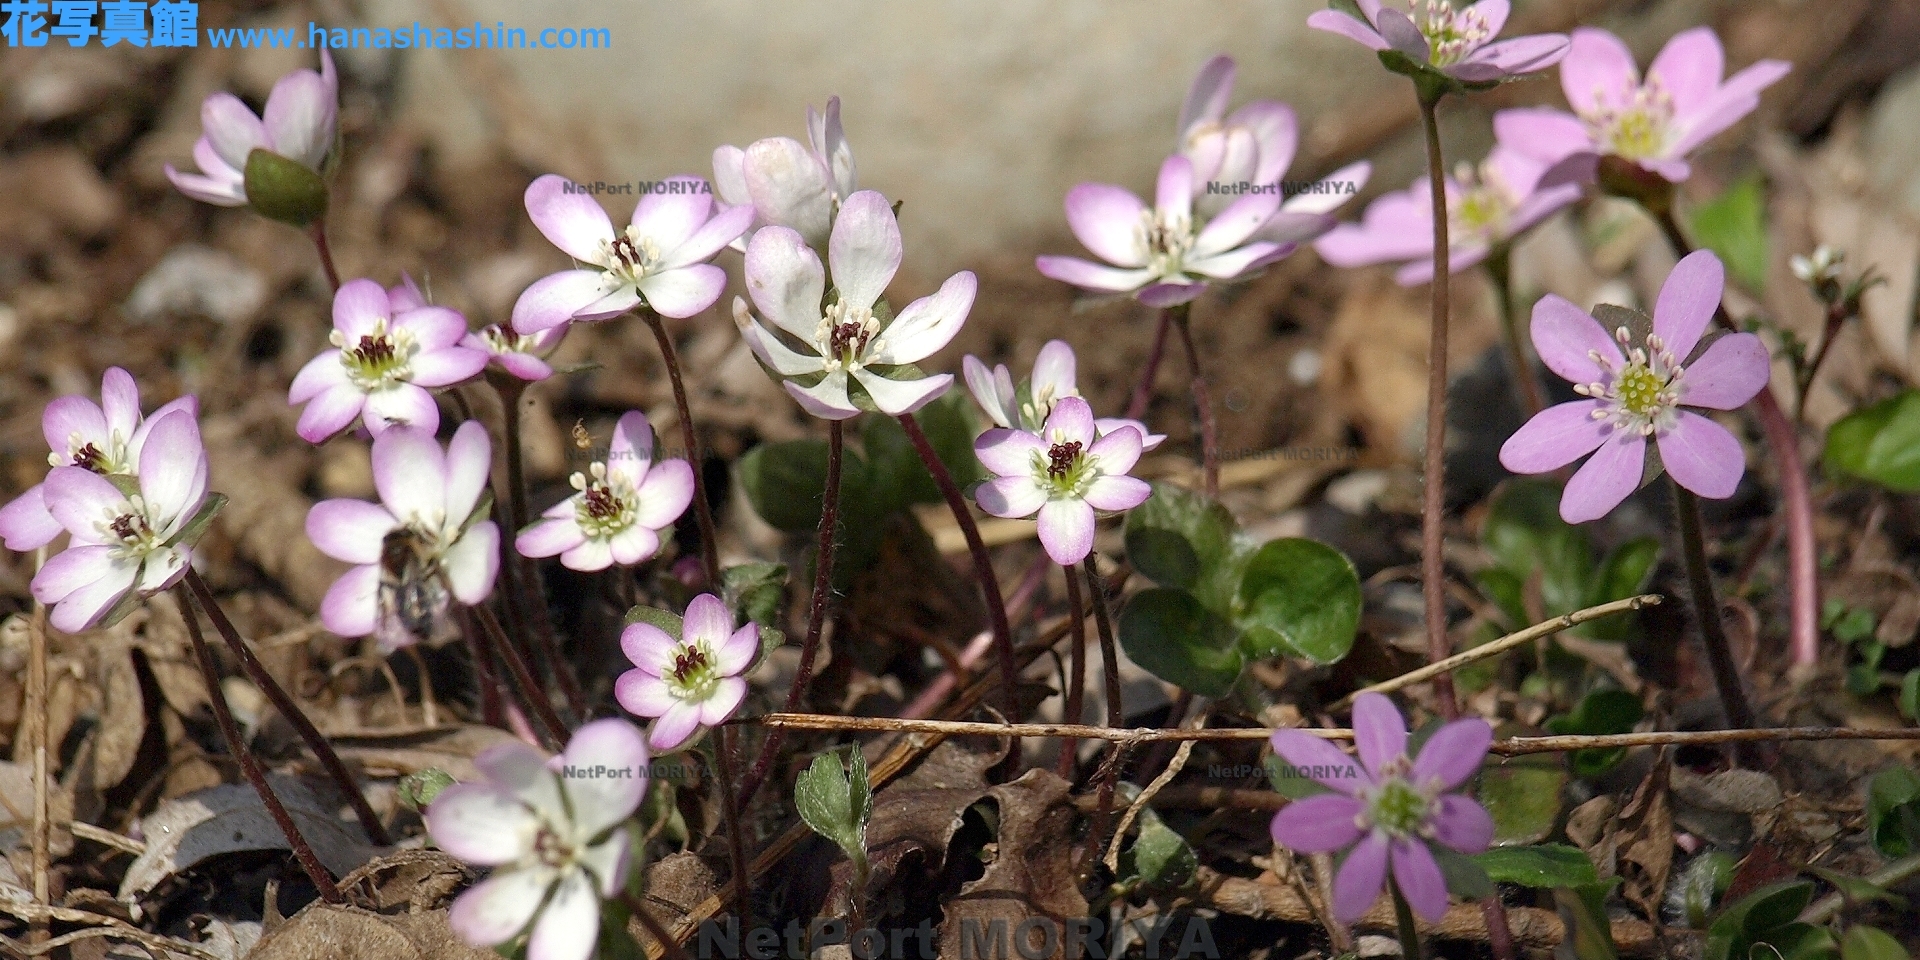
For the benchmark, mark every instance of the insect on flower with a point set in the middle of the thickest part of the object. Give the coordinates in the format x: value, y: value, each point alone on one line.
x: 412, y: 600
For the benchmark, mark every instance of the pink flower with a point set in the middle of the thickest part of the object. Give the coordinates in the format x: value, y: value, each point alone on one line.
x: 1028, y: 407
x: 1390, y: 809
x: 383, y: 359
x: 557, y: 831
x: 427, y: 536
x: 1504, y: 200
x: 521, y: 356
x: 787, y: 184
x: 1637, y: 381
x: 1064, y: 474
x: 1165, y: 255
x: 106, y: 438
x: 1453, y: 42
x: 1682, y: 103
x: 690, y: 681
x: 1252, y: 148
x: 123, y: 544
x: 623, y: 504
x: 848, y: 357
x: 298, y: 124
x: 658, y: 261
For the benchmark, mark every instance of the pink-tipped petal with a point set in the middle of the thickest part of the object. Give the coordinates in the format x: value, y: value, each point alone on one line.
x: 320, y: 374
x: 448, y: 366
x: 1402, y: 34
x: 1070, y: 422
x: 1115, y: 494
x: 1453, y: 754
x: 549, y: 538
x: 928, y: 324
x: 556, y: 298
x: 648, y: 647
x: 1317, y: 824
x: 1555, y: 437
x: 1511, y: 57
x: 1689, y: 68
x: 665, y: 494
x: 352, y: 604
x: 674, y: 727
x: 726, y: 698
x: 1462, y: 824
x: 70, y: 422
x: 827, y: 399
x: 1598, y: 73
x: 739, y: 651
x: 494, y: 910
x: 359, y: 306
x: 790, y: 187
x: 708, y: 620
x: 410, y: 472
x: 1118, y: 450
x: 1333, y: 21
x: 231, y: 128
x: 569, y: 925
x: 1606, y: 479
x: 472, y: 563
x: 400, y: 405
x: 897, y: 397
x: 1731, y: 372
x: 1207, y: 97
x: 643, y: 694
x: 786, y: 281
x: 349, y: 530
x: 481, y: 824
x: 1009, y: 452
x: 599, y: 802
x: 1066, y: 530
x: 685, y: 291
x: 1104, y: 218
x: 1565, y: 336
x: 572, y: 221
x: 1494, y: 14
x: 1688, y: 300
x: 865, y: 249
x: 1702, y: 456
x: 25, y: 523
x: 1011, y: 497
x: 1089, y: 275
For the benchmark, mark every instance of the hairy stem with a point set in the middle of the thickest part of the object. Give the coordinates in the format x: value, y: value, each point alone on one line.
x: 703, y: 510
x: 530, y: 689
x: 318, y: 233
x: 736, y: 838
x: 1143, y: 391
x: 1500, y: 268
x: 1726, y: 674
x: 816, y: 614
x: 524, y: 600
x: 1202, y: 403
x: 1803, y: 578
x: 1076, y: 671
x: 249, y: 766
x: 1433, y: 568
x: 309, y: 734
x: 982, y: 564
x: 1836, y: 316
x: 1403, y: 923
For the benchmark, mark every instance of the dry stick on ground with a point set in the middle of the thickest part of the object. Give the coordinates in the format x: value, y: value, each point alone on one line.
x: 982, y: 563
x: 250, y: 766
x: 816, y: 615
x: 309, y: 734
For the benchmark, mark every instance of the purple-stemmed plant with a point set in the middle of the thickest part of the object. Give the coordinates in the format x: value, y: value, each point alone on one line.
x: 1389, y: 811
x: 1634, y: 422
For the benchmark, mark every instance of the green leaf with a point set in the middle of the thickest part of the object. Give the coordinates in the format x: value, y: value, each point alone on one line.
x: 1910, y: 694
x: 1298, y: 597
x: 1880, y: 444
x: 1799, y: 941
x: 753, y: 590
x: 417, y: 790
x: 1179, y: 538
x: 1623, y: 574
x: 1464, y: 875
x: 1584, y: 910
x: 1734, y: 225
x: 195, y: 528
x: 1858, y: 889
x: 831, y: 806
x: 668, y: 621
x: 1525, y: 534
x: 897, y: 466
x: 785, y: 482
x: 1508, y: 592
x: 1545, y: 866
x: 1599, y: 712
x: 284, y: 190
x: 1706, y: 877
x: 1853, y: 625
x: 1170, y: 634
x: 1870, y: 943
x: 1523, y: 797
x: 1756, y: 918
x: 1160, y: 858
x: 1893, y: 799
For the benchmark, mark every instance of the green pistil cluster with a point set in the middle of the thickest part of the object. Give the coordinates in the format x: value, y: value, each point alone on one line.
x: 692, y: 676
x: 1065, y: 472
x: 1640, y: 396
x: 1167, y: 241
x: 84, y: 454
x: 135, y: 535
x: 1481, y: 209
x: 606, y: 505
x: 844, y: 335
x: 1636, y: 130
x: 1399, y: 808
x: 1451, y: 33
x: 378, y: 358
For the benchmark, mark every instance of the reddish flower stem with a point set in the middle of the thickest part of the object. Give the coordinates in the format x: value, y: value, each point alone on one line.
x: 703, y: 511
x: 1076, y: 672
x: 982, y: 564
x: 816, y: 615
x: 530, y: 690
x: 1143, y: 391
x: 1433, y: 569
x: 318, y: 233
x: 1202, y: 404
x: 249, y: 765
x: 309, y: 734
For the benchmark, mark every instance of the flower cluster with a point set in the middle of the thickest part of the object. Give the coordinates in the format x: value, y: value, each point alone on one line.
x: 1027, y: 406
x: 1064, y: 473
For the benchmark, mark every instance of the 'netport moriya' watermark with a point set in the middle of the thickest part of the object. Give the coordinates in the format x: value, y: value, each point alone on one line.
x: 1033, y: 938
x: 1285, y: 188
x: 653, y: 771
x: 632, y: 188
x: 1284, y: 771
x: 1319, y: 454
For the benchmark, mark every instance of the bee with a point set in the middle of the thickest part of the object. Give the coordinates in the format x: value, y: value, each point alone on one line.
x: 582, y: 440
x: 412, y: 600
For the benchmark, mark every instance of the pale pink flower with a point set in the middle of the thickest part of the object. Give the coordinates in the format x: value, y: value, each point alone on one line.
x: 623, y: 504
x: 788, y: 184
x: 521, y: 356
x: 382, y: 362
x: 690, y: 681
x: 1064, y: 473
x: 1028, y: 406
x: 1452, y: 40
x: 298, y: 124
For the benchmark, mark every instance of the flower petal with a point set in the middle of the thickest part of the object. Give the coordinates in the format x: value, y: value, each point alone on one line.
x: 547, y: 538
x: 1555, y: 437
x: 827, y: 399
x: 1733, y: 370
x: 25, y: 522
x: 1320, y: 761
x: 352, y: 604
x: 1379, y: 731
x: 1688, y: 300
x: 481, y: 824
x: 664, y: 495
x: 71, y: 422
x: 1066, y: 530
x: 1357, y: 884
x: 723, y: 701
x: 616, y: 752
x: 1117, y: 493
x: 1565, y: 336
x: 1598, y: 73
x: 896, y: 397
x: 320, y: 374
x: 1702, y: 456
x: 684, y: 291
x: 1689, y: 68
x: 1091, y: 276
x: 1009, y: 452
x: 739, y: 650
x: 1106, y: 220
x: 648, y: 647
x: 927, y: 324
x: 349, y: 530
x: 708, y: 620
x: 570, y: 220
x: 400, y: 405
x: 1333, y: 21
x: 299, y: 117
x: 673, y: 728
x: 1013, y: 497
x: 410, y: 472
x: 1462, y: 824
x: 1402, y: 34
x: 472, y: 563
x: 1511, y: 57
x: 672, y: 212
x: 1117, y: 451
x: 643, y: 694
x: 1453, y: 754
x: 1605, y: 479
x: 556, y: 298
x: 984, y: 384
x: 785, y: 280
x: 865, y: 249
x: 230, y: 126
x: 1207, y: 97
x: 495, y: 909
x: 469, y: 460
x: 523, y: 770
x: 790, y: 187
x: 1317, y: 824
x: 1418, y: 876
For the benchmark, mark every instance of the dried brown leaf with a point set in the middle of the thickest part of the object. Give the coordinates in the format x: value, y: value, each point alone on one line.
x: 1032, y: 871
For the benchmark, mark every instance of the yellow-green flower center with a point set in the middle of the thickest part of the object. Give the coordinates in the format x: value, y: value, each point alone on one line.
x: 1397, y: 807
x: 1637, y: 129
x: 1166, y: 239
x: 1643, y: 394
x: 694, y: 674
x: 1451, y: 33
x: 381, y: 356
x: 628, y: 258
x: 607, y: 502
